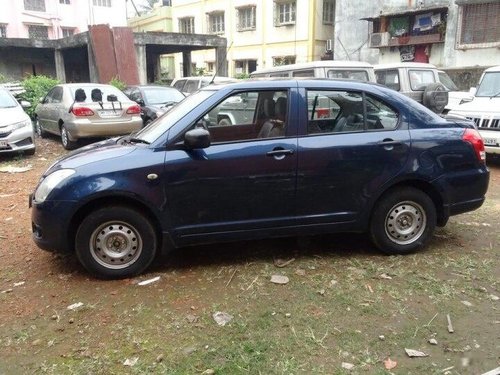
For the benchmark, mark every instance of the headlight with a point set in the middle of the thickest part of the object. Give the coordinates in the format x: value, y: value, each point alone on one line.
x: 50, y: 182
x: 18, y: 125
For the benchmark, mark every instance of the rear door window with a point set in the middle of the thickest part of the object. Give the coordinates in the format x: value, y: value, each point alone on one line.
x: 303, y: 73
x: 180, y: 84
x: 389, y: 78
x: 191, y: 86
x: 419, y: 79
x: 360, y: 75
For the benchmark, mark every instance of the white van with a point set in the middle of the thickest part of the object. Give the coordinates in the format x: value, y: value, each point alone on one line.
x: 188, y: 85
x: 484, y: 109
x: 357, y: 70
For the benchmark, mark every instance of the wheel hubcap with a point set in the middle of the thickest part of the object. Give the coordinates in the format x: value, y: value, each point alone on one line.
x: 405, y: 223
x: 115, y: 245
x: 64, y: 136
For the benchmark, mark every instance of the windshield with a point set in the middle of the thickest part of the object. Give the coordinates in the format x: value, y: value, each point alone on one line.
x: 490, y: 84
x: 160, y: 95
x: 445, y: 79
x: 157, y: 128
x: 6, y: 100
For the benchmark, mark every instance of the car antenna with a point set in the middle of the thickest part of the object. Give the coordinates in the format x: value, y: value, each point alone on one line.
x: 218, y: 65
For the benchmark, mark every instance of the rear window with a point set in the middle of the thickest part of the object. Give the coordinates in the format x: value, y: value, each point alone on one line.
x: 179, y: 84
x: 360, y: 75
x: 104, y: 90
x: 420, y: 79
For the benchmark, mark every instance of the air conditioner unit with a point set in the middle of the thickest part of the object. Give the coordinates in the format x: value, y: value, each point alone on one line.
x: 328, y: 45
x: 379, y: 39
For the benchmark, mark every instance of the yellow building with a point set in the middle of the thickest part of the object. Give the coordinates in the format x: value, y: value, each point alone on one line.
x: 260, y: 33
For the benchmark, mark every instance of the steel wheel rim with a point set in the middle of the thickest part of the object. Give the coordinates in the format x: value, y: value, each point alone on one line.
x: 115, y: 245
x: 405, y: 223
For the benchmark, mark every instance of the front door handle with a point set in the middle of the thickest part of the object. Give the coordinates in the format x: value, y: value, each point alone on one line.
x: 279, y: 153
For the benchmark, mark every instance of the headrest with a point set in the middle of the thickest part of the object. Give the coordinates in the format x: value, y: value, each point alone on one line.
x: 96, y: 95
x: 80, y: 95
x: 280, y: 107
x: 269, y: 107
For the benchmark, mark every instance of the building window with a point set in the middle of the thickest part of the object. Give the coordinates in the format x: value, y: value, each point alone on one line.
x: 244, y: 67
x: 328, y: 12
x: 216, y: 23
x: 166, y: 3
x: 283, y: 60
x: 36, y: 5
x: 68, y: 2
x: 246, y: 18
x: 38, y: 32
x: 3, y: 31
x: 186, y: 25
x: 210, y: 66
x: 284, y: 13
x: 67, y: 32
x: 478, y: 25
x: 102, y: 3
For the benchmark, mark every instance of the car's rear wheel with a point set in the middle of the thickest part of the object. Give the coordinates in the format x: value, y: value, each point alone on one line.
x: 38, y: 128
x: 403, y: 221
x: 67, y: 143
x: 115, y: 242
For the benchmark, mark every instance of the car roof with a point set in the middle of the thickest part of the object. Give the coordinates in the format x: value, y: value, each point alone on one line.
x: 493, y: 69
x: 316, y: 64
x: 404, y: 65
x: 152, y: 87
x: 84, y: 85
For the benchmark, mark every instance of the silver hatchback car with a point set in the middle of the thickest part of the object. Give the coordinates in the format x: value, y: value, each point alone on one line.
x: 86, y: 110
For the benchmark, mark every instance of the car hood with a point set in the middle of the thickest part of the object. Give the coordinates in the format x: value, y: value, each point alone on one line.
x: 96, y: 152
x: 9, y: 116
x: 478, y: 105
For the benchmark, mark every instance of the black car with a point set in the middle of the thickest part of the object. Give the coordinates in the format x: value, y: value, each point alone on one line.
x: 154, y: 100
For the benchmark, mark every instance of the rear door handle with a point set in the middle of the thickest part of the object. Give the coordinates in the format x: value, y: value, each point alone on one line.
x: 388, y: 144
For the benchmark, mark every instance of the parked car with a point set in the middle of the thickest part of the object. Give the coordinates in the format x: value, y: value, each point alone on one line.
x: 377, y: 162
x: 455, y: 96
x: 418, y: 81
x: 483, y: 107
x: 357, y: 70
x: 188, y: 85
x: 16, y: 129
x: 154, y: 100
x: 86, y: 110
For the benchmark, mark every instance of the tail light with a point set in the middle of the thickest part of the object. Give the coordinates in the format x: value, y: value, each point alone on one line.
x: 82, y: 111
x: 474, y: 138
x: 134, y: 110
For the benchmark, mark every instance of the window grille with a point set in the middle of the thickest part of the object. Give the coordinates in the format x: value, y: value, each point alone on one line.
x: 38, y: 32
x: 246, y: 18
x: 478, y: 25
x: 186, y: 25
x: 36, y: 5
x: 216, y: 23
x: 328, y: 12
x: 284, y: 13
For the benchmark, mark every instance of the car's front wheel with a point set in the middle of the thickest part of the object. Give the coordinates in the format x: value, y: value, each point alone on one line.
x: 403, y: 221
x: 115, y: 242
x: 67, y: 143
x: 38, y: 128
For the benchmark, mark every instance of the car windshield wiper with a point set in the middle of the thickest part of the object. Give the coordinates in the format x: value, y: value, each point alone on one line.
x: 137, y: 140
x: 494, y: 96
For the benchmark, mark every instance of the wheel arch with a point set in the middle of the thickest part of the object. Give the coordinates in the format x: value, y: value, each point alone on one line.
x: 423, y: 186
x: 120, y: 200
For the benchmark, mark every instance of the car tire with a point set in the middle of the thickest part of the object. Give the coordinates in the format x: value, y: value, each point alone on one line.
x: 67, y: 143
x: 115, y: 242
x: 38, y: 129
x: 403, y: 221
x: 225, y: 121
x: 435, y: 97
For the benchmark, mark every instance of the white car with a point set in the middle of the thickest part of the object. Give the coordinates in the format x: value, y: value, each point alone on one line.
x: 16, y: 129
x: 484, y: 109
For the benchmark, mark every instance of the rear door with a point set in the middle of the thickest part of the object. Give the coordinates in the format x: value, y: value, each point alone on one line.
x: 350, y: 145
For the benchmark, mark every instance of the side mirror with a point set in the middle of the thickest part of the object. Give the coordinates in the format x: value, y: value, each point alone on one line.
x: 473, y: 91
x: 197, y: 138
x: 25, y: 104
x: 140, y: 102
x: 41, y: 100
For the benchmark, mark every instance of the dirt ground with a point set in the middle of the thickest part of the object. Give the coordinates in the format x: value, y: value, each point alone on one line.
x: 344, y: 305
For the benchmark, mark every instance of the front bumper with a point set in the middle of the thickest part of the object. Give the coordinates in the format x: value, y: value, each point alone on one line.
x: 18, y: 140
x: 50, y: 223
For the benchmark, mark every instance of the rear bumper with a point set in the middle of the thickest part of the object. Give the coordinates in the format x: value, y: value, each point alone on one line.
x: 84, y: 128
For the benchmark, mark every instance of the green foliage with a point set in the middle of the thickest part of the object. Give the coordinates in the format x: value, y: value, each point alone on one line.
x: 242, y: 76
x: 199, y: 72
x: 118, y: 83
x: 36, y: 87
x: 3, y: 78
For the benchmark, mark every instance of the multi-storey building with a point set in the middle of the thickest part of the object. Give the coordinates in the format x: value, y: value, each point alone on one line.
x: 55, y: 19
x: 260, y: 33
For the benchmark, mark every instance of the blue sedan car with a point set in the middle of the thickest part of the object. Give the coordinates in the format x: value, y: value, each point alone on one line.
x: 311, y: 157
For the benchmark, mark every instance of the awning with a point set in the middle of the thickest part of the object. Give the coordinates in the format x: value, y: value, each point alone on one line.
x: 407, y: 12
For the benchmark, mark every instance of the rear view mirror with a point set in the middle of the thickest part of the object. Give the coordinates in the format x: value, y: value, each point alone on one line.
x: 197, y: 138
x: 473, y: 90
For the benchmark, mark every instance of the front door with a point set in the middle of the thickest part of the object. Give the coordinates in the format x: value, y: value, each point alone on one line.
x: 245, y: 180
